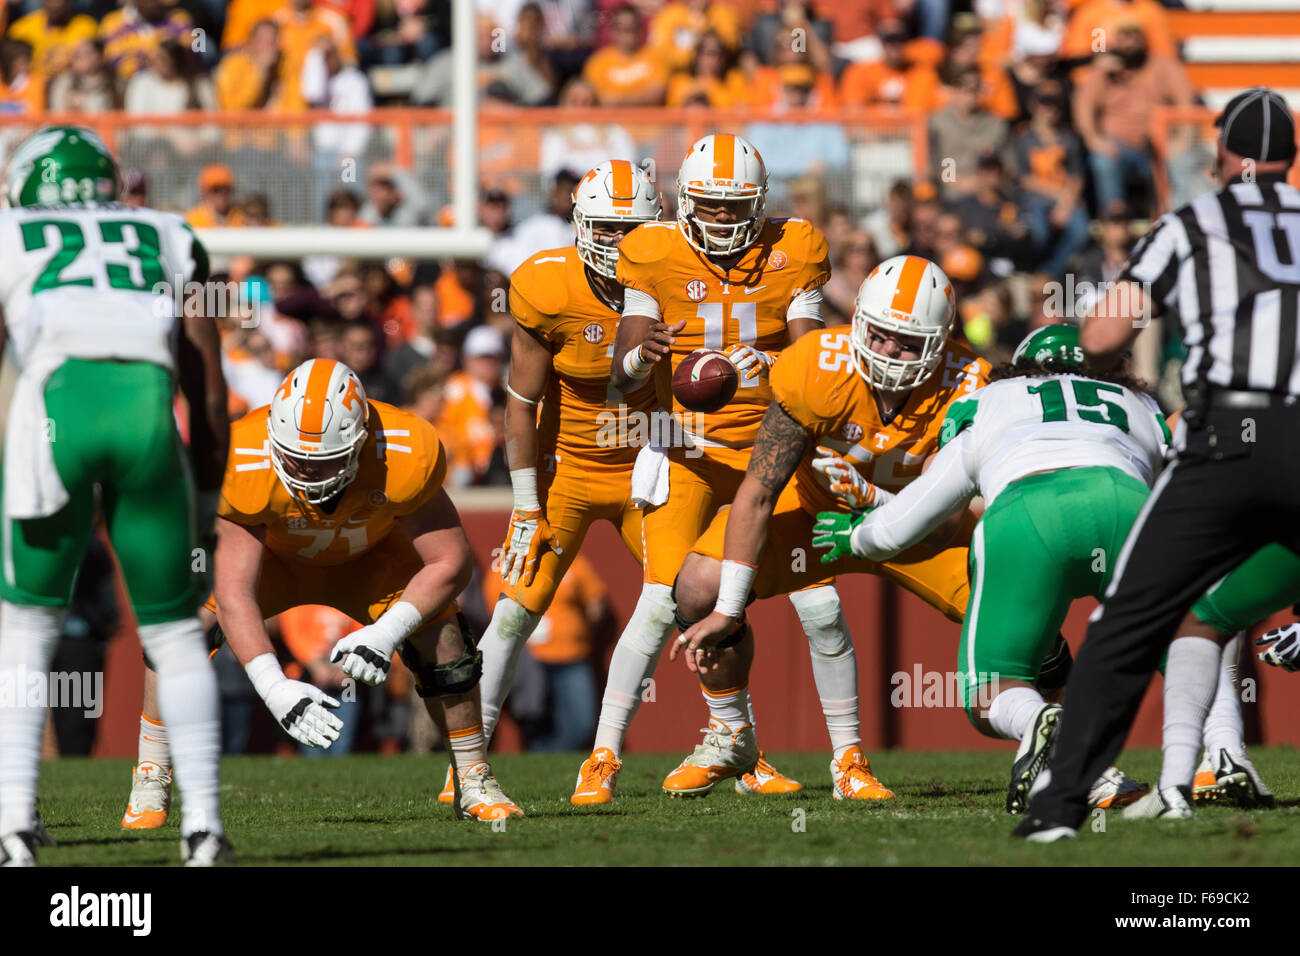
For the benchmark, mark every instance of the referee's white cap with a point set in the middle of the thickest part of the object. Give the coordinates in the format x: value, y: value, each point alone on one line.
x: 1257, y: 124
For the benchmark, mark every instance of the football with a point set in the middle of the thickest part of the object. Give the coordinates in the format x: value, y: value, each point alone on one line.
x: 705, y: 381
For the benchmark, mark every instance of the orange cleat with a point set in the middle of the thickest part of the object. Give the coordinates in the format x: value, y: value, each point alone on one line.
x: 448, y: 793
x: 723, y: 754
x: 766, y: 779
x: 151, y: 790
x: 852, y: 779
x: 596, y: 778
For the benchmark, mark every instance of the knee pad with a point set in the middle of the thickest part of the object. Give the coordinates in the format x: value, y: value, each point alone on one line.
x: 514, y: 622
x: 651, y: 621
x: 823, y: 622
x: 175, y: 644
x: 452, y: 678
x: 1055, y: 671
x: 215, y: 638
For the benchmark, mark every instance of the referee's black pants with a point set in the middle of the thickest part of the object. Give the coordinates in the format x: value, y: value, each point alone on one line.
x: 1234, y: 488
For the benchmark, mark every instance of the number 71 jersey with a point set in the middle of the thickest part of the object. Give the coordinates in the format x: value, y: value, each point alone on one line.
x: 96, y: 280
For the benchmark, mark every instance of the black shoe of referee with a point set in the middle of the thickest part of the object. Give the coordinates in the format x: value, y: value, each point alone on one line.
x: 1043, y: 831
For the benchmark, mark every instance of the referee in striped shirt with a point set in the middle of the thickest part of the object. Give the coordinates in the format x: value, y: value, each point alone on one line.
x: 1227, y: 265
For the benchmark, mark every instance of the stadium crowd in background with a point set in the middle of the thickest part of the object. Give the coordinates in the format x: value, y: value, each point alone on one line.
x: 1041, y: 156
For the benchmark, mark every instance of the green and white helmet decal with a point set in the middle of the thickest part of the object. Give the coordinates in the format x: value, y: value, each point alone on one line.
x: 1058, y: 342
x: 61, y: 164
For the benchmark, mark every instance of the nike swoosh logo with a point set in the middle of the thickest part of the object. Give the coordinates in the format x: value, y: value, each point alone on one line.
x: 755, y: 289
x: 132, y: 817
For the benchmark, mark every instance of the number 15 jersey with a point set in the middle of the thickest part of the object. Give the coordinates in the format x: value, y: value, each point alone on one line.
x: 96, y: 280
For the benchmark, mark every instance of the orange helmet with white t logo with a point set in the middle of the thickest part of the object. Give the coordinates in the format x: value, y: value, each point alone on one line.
x: 317, y: 425
x: 722, y: 166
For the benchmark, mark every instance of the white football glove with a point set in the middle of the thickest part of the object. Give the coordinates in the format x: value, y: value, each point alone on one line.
x: 529, y: 533
x: 748, y: 360
x: 365, y: 654
x: 300, y: 709
x: 847, y: 482
x: 1283, y: 645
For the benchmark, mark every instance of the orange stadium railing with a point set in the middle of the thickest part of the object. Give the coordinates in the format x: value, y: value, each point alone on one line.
x: 283, y: 156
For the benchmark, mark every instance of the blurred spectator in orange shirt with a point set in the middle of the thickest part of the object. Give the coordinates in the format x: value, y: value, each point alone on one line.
x: 564, y: 644
x: 677, y: 29
x: 131, y: 34
x: 627, y: 73
x: 52, y: 32
x: 217, y: 199
x: 767, y: 88
x: 243, y: 15
x: 1093, y: 24
x: 465, y: 423
x: 302, y: 24
x: 87, y: 85
x: 249, y: 78
x: 310, y: 633
x: 707, y: 77
x: 892, y: 80
x: 22, y: 91
x: 965, y: 52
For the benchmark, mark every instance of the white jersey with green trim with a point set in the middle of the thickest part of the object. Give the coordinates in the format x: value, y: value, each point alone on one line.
x: 95, y: 280
x: 1025, y: 425
x: 1013, y: 428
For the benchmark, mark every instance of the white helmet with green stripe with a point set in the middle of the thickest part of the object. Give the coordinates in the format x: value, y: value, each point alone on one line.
x: 62, y: 164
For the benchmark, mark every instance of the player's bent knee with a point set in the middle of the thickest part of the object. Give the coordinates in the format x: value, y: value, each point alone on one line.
x: 822, y: 617
x: 174, y: 645
x: 448, y: 679
x: 651, y: 621
x: 695, y: 590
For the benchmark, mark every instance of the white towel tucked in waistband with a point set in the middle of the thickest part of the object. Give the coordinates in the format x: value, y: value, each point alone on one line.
x: 33, y: 488
x: 650, y: 477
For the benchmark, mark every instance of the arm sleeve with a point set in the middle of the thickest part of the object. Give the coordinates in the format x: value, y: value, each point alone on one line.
x: 806, y: 305
x: 916, y: 510
x: 636, y: 302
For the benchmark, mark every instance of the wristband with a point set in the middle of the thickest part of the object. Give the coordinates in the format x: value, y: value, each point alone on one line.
x: 397, y: 623
x: 527, y: 401
x: 264, y: 673
x: 524, y: 482
x: 733, y: 588
x: 635, y: 364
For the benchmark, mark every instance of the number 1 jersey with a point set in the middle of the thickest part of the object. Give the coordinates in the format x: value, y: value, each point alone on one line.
x: 96, y: 280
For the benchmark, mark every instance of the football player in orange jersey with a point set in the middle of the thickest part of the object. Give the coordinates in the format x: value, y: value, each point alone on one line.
x: 572, y: 464
x: 332, y: 499
x: 870, y: 400
x: 724, y: 276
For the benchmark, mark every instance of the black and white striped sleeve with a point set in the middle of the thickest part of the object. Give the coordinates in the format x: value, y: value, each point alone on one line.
x: 1157, y: 258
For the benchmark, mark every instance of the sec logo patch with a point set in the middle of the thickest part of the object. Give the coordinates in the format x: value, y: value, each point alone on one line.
x: 594, y: 333
x: 777, y: 259
x: 852, y: 432
x: 296, y: 523
x: 696, y: 290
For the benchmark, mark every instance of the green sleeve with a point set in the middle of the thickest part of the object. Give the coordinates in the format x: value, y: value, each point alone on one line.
x: 961, y: 415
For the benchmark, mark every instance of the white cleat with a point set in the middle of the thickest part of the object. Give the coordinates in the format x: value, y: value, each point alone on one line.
x: 1237, y: 779
x: 202, y: 848
x: 18, y: 849
x: 1032, y: 755
x: 1115, y: 789
x: 480, y: 797
x: 151, y: 797
x: 1171, y: 803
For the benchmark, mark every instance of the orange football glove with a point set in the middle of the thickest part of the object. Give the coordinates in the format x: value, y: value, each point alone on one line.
x: 529, y: 533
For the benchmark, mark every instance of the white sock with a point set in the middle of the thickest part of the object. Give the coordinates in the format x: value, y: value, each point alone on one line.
x: 1012, y: 711
x: 468, y: 747
x: 633, y: 662
x: 1191, y: 679
x: 190, y: 707
x: 507, y: 633
x: 731, y: 706
x: 1223, y: 725
x: 834, y: 663
x: 28, y: 636
x: 152, y: 745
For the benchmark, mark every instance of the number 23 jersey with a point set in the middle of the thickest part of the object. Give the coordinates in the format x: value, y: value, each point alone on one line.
x: 816, y: 383
x: 96, y: 280
x: 402, y: 467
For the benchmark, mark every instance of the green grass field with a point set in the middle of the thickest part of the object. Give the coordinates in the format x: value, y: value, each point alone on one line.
x: 381, y: 811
